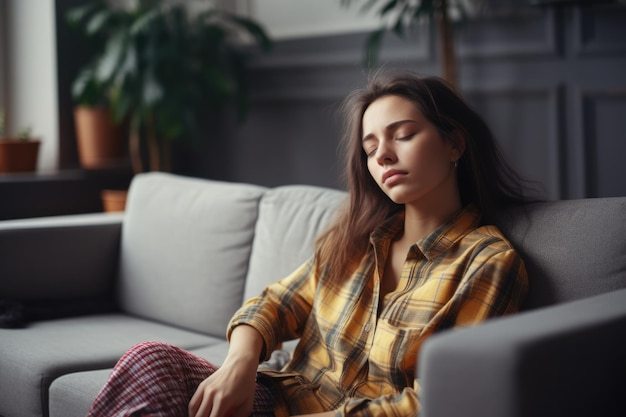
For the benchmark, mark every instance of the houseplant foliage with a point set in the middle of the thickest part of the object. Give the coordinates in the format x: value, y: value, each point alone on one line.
x: 165, y: 70
x: 399, y: 16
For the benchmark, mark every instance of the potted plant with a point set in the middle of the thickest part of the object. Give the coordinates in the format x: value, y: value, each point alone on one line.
x: 20, y: 153
x: 166, y: 70
x: 100, y: 139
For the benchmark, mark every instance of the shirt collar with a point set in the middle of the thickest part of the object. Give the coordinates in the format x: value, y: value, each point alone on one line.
x: 438, y: 241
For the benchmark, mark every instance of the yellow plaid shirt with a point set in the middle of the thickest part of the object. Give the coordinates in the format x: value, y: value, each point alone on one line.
x: 361, y: 361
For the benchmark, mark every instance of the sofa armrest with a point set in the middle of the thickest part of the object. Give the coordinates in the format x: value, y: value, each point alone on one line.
x: 566, y: 360
x: 63, y: 257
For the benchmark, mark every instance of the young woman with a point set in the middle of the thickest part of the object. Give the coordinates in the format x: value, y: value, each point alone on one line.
x: 411, y: 254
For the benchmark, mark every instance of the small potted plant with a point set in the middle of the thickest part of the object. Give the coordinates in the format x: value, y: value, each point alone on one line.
x: 18, y: 153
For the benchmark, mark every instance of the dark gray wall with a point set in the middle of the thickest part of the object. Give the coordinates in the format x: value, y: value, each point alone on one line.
x: 550, y: 82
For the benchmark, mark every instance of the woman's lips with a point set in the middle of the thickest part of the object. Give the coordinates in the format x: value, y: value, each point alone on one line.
x: 392, y: 176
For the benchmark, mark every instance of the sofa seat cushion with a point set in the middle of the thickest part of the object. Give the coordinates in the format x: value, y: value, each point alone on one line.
x: 71, y: 395
x: 185, y: 248
x: 34, y: 356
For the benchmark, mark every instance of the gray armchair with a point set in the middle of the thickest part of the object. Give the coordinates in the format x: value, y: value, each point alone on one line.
x: 565, y: 354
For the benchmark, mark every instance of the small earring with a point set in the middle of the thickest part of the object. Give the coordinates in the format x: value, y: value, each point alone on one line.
x: 456, y: 163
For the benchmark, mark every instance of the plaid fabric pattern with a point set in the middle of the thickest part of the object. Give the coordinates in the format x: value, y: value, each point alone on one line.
x: 158, y: 380
x: 362, y: 358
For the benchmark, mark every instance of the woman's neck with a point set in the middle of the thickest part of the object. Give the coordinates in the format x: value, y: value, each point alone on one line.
x: 420, y: 219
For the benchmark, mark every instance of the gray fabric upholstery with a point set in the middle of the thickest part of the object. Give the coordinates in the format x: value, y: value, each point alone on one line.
x: 71, y: 395
x: 32, y: 358
x: 572, y: 248
x: 49, y: 258
x: 185, y: 250
x: 565, y: 360
x: 290, y: 218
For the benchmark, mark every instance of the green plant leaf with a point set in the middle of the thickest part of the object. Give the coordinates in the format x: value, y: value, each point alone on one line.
x: 120, y: 105
x: 25, y: 133
x: 398, y: 27
x: 368, y: 5
x: 372, y: 48
x: 388, y: 7
x: 98, y: 22
x: 253, y: 29
x: 85, y: 89
x: 144, y: 21
x: 109, y: 62
x: 76, y: 15
x: 426, y: 8
x: 80, y: 83
x: 152, y: 90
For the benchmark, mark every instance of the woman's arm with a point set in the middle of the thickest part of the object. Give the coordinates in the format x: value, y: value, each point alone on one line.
x: 280, y: 312
x: 230, y: 390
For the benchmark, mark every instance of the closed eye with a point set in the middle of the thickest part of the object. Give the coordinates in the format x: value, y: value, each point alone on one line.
x: 406, y: 137
x: 370, y: 152
x: 370, y: 145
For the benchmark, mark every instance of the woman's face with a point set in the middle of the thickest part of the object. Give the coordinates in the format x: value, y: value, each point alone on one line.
x: 406, y: 155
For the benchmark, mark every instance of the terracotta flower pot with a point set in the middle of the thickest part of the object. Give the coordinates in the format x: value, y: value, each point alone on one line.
x: 17, y: 155
x: 100, y: 142
x: 113, y: 200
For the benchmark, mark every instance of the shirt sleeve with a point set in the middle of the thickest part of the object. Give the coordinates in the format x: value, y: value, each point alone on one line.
x: 405, y: 404
x: 494, y: 284
x: 281, y: 311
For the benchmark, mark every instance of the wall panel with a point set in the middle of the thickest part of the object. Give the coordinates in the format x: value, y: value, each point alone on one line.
x: 289, y: 141
x: 510, y: 34
x: 549, y: 81
x: 604, y: 140
x: 525, y: 123
x: 599, y: 30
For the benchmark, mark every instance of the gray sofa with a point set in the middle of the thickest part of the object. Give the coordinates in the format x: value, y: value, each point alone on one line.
x: 187, y: 252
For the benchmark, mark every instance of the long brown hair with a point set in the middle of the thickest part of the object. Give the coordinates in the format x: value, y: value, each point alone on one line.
x: 484, y: 177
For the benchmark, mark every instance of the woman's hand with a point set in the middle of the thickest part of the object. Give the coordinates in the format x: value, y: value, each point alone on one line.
x: 229, y: 392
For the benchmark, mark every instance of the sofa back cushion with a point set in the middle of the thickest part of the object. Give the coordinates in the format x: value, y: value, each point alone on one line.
x: 185, y: 249
x: 290, y: 219
x: 572, y: 248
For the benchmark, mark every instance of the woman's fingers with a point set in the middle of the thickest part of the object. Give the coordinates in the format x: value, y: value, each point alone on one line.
x: 200, y: 401
x: 209, y: 401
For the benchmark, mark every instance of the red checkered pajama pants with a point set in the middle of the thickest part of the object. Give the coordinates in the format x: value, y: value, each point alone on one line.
x: 158, y: 380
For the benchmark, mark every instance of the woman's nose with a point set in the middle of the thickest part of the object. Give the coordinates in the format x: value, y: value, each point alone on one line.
x: 385, y: 153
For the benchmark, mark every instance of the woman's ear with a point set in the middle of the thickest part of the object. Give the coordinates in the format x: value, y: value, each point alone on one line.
x: 457, y: 139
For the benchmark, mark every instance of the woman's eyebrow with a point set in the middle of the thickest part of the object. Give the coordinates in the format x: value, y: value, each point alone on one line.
x: 390, y: 127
